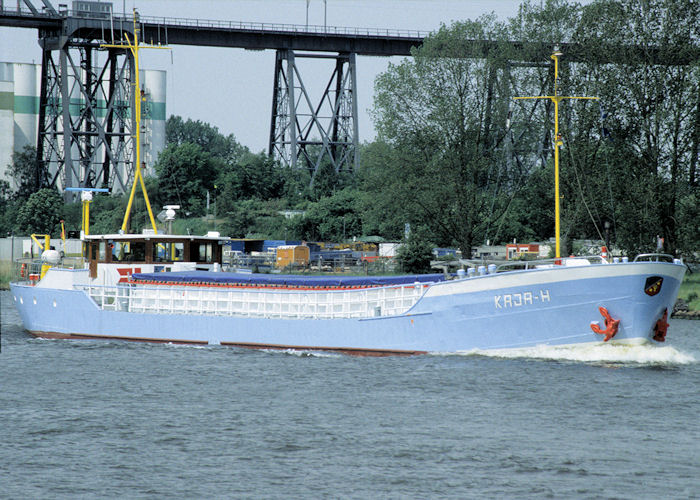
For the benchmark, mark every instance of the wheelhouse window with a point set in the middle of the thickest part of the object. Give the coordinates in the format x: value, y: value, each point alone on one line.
x: 168, y: 252
x: 205, y: 253
x: 129, y: 251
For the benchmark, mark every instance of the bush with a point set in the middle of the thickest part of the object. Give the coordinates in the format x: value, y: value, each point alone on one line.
x: 415, y: 255
x: 42, y: 213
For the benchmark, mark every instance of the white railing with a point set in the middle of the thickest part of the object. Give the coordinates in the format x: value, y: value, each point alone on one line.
x: 521, y: 265
x: 257, y: 303
x: 654, y: 257
x: 29, y: 270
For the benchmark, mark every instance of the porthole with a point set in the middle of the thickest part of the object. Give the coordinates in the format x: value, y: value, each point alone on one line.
x: 34, y: 300
x: 54, y: 303
x: 15, y: 297
x: 21, y: 300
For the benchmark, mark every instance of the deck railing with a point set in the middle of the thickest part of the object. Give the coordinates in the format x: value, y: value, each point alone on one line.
x: 29, y: 269
x: 521, y: 265
x: 654, y: 257
x: 257, y: 303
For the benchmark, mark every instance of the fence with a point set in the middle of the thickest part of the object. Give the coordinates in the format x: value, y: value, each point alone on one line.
x: 252, y: 303
x: 11, y: 248
x: 15, y: 247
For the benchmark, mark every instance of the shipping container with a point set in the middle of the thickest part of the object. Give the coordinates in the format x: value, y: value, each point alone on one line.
x: 292, y: 255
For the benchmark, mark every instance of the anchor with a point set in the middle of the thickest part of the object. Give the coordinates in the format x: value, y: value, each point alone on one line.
x: 661, y: 327
x: 611, y: 325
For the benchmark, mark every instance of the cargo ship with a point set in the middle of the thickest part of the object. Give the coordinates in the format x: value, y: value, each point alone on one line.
x: 170, y: 288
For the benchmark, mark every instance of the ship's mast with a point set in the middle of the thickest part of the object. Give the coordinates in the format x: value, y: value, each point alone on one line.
x: 556, y: 98
x: 138, y: 175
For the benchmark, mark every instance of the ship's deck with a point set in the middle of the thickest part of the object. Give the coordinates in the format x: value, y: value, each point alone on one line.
x: 279, y: 280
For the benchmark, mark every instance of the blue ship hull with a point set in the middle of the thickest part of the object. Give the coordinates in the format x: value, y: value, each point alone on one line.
x: 516, y: 309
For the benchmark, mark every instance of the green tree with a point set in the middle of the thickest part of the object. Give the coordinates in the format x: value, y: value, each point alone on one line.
x: 256, y: 218
x: 208, y: 137
x: 253, y: 176
x: 443, y: 113
x: 73, y: 216
x: 25, y: 173
x: 295, y: 188
x: 185, y: 173
x: 530, y: 213
x: 9, y: 207
x: 415, y: 254
x: 333, y: 218
x: 689, y: 223
x: 326, y: 182
x: 382, y: 212
x: 42, y: 213
x: 650, y: 164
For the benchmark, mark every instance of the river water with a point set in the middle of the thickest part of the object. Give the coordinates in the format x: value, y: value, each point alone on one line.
x: 100, y: 419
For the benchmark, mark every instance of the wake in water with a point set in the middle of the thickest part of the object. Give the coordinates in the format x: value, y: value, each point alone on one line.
x: 645, y: 354
x: 302, y: 353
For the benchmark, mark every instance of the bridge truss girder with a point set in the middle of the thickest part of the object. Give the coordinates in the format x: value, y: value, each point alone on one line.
x: 304, y: 134
x: 90, y: 141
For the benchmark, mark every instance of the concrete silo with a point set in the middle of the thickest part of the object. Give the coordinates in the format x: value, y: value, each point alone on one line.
x: 27, y: 88
x: 7, y: 118
x: 153, y: 83
x: 19, y: 109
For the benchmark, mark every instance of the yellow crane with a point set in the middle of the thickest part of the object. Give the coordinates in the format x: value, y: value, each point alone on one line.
x: 138, y: 175
x: 556, y: 99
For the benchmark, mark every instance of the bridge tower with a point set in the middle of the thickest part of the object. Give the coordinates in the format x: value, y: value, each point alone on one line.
x: 86, y: 128
x: 308, y: 134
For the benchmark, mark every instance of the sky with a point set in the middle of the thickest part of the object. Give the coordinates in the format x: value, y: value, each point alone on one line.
x: 232, y: 88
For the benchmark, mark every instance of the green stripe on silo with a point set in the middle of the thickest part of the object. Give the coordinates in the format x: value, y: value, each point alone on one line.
x: 75, y: 107
x: 7, y: 101
x: 28, y: 105
x: 153, y: 110
x: 157, y: 110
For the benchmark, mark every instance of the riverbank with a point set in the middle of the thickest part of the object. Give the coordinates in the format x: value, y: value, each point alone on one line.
x: 686, y: 315
x: 5, y: 274
x: 688, y: 304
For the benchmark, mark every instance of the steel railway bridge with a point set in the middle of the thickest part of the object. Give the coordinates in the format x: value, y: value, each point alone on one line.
x: 90, y: 141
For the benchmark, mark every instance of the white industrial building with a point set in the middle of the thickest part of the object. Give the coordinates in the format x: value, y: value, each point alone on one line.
x: 20, y: 87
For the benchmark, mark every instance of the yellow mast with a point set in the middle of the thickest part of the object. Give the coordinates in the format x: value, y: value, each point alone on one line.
x: 138, y: 175
x: 86, y: 213
x: 556, y: 98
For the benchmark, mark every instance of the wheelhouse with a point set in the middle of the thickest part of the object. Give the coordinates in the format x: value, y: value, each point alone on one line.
x: 152, y: 249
